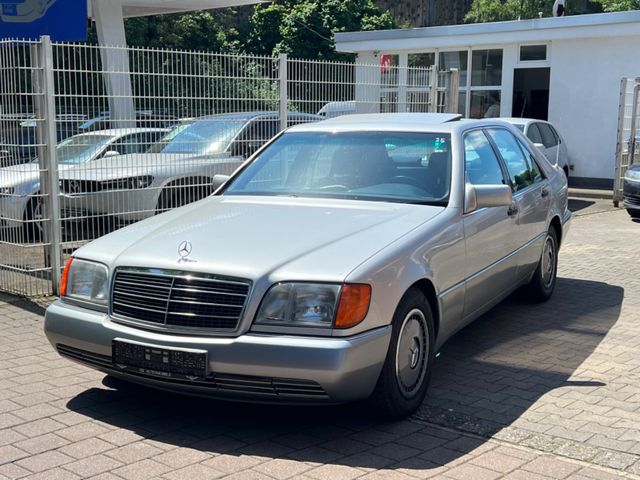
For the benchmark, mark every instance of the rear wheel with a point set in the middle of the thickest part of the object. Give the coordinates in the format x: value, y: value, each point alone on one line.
x: 405, y: 376
x: 541, y: 286
x: 32, y: 228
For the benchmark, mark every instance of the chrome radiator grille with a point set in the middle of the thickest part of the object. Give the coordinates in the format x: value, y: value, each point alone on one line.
x: 178, y: 300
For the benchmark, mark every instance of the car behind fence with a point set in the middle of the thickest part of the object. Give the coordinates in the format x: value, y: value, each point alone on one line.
x: 94, y: 138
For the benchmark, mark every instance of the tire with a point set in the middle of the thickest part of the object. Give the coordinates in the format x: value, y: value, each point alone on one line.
x: 406, y: 372
x: 633, y: 213
x: 33, y: 229
x: 541, y: 286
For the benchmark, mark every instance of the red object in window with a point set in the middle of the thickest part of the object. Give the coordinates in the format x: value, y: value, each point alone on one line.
x: 385, y: 62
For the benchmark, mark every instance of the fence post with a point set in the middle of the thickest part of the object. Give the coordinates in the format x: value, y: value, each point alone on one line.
x: 452, y: 92
x: 48, y: 161
x: 283, y: 79
x: 433, y: 90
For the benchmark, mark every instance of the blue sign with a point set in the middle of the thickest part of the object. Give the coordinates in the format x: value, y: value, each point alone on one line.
x: 62, y: 20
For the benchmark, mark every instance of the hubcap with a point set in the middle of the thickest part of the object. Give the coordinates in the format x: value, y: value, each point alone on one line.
x: 548, y: 262
x: 412, y: 353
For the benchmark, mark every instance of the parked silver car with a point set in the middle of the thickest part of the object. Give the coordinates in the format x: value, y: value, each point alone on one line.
x: 177, y: 171
x: 330, y: 268
x: 20, y: 204
x: 546, y: 137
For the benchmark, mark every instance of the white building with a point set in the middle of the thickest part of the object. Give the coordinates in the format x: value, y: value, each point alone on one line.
x: 567, y: 70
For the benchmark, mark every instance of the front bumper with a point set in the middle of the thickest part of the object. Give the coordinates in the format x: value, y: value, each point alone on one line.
x: 12, y: 210
x: 251, y: 367
x: 631, y: 194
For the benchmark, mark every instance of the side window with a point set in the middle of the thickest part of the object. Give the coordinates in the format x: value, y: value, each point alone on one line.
x: 548, y: 138
x: 534, y: 134
x: 513, y: 156
x: 256, y: 134
x: 482, y: 167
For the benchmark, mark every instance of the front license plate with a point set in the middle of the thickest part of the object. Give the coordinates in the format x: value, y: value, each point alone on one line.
x: 159, y: 362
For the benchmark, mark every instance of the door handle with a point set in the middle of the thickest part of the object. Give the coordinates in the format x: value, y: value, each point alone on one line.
x: 513, y: 210
x: 544, y: 193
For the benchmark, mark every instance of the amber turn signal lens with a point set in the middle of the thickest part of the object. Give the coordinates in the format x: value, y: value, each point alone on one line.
x: 353, y: 305
x: 65, y: 276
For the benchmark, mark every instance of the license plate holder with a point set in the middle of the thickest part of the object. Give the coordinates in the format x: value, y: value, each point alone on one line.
x: 174, y: 363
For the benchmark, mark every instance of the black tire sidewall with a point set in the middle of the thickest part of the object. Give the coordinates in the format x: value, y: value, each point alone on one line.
x: 544, y: 292
x: 387, y: 396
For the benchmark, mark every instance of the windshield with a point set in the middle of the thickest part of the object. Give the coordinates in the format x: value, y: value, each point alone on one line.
x: 385, y: 166
x: 81, y: 148
x: 168, y: 138
x: 204, y: 136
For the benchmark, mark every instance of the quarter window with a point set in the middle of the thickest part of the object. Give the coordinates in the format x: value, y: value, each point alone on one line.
x: 482, y: 166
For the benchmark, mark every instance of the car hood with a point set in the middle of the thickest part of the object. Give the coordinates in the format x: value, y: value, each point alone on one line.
x: 263, y: 237
x: 25, y: 173
x: 133, y: 165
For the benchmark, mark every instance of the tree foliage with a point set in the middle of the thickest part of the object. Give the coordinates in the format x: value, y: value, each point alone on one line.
x: 618, y: 5
x: 502, y: 10
x: 300, y: 28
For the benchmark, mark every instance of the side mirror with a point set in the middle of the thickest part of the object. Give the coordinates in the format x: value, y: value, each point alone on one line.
x: 218, y: 181
x: 485, y: 196
x: 110, y: 153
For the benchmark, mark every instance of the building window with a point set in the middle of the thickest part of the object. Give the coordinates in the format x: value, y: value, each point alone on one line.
x: 533, y: 53
x: 455, y: 60
x: 486, y: 68
x: 485, y: 104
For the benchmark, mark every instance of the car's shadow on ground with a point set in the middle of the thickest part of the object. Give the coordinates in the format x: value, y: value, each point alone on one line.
x: 485, y: 378
x: 577, y: 204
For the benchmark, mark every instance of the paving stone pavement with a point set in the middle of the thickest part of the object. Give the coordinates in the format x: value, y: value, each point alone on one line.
x: 528, y: 391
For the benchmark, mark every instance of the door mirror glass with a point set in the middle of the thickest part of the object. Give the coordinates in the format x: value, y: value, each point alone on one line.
x: 110, y: 153
x: 486, y: 196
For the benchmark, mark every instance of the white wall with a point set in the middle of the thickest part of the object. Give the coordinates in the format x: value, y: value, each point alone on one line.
x: 584, y: 98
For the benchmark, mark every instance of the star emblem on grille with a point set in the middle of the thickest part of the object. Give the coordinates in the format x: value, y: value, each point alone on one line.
x: 184, y: 249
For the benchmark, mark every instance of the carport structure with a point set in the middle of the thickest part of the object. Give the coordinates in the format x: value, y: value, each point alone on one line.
x: 109, y: 18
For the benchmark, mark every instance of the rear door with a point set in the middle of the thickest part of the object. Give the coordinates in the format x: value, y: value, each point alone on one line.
x: 531, y: 195
x: 490, y: 233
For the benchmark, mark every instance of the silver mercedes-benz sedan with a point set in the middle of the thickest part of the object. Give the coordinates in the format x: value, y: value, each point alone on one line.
x: 330, y: 268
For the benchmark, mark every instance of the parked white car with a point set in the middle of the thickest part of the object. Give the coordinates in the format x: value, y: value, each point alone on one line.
x: 176, y: 171
x: 546, y: 137
x: 20, y: 204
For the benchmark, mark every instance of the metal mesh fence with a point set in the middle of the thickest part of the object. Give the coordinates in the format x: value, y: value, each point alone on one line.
x: 628, y: 148
x: 96, y: 138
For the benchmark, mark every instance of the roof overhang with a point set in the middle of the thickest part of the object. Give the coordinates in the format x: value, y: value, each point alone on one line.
x: 495, y: 33
x: 141, y: 8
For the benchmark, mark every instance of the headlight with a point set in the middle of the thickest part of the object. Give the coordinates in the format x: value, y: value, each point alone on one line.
x: 314, y: 305
x: 7, y: 190
x: 633, y: 174
x: 130, y: 183
x: 85, y: 281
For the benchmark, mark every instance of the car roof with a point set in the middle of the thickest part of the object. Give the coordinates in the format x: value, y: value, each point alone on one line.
x: 117, y: 132
x: 397, y: 122
x: 244, y: 116
x: 522, y: 120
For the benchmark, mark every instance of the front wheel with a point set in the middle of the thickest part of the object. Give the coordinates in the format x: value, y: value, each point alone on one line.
x: 541, y: 286
x: 405, y: 376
